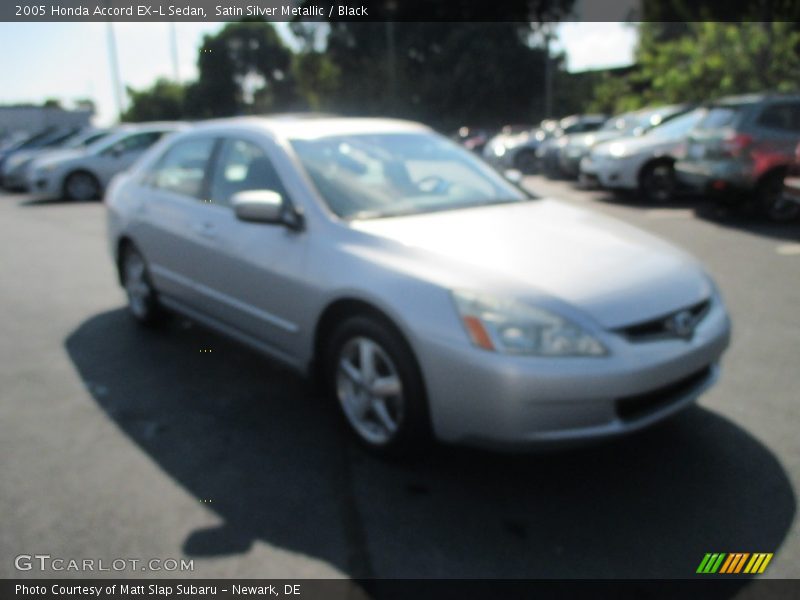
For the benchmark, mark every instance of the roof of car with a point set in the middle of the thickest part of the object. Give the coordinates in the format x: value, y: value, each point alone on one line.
x: 756, y: 97
x: 309, y: 127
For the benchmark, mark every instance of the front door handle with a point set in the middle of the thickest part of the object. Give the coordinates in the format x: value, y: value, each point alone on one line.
x: 206, y: 229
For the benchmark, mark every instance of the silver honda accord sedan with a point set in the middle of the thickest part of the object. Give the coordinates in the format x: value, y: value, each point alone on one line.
x: 432, y: 298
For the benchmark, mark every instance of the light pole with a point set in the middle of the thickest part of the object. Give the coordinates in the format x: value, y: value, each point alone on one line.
x: 391, y: 64
x: 548, y: 74
x: 176, y: 74
x: 115, y: 78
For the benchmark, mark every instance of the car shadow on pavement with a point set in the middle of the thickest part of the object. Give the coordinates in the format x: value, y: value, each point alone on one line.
x: 733, y: 218
x: 724, y: 215
x: 272, y: 456
x: 37, y: 202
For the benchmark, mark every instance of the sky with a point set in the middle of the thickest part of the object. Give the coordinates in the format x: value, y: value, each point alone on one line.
x: 69, y: 61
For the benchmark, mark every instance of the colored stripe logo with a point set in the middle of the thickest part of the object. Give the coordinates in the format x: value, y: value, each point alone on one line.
x: 734, y: 563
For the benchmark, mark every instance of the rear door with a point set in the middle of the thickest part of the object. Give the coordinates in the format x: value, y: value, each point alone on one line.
x: 169, y: 215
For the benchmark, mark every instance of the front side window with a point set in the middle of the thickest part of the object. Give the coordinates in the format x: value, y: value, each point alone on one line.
x: 381, y: 175
x: 242, y: 166
x: 182, y: 168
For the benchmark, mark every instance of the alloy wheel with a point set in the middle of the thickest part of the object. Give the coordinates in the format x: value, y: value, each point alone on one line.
x: 370, y: 390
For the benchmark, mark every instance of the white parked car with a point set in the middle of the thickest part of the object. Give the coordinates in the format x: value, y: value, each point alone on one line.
x: 644, y: 163
x: 430, y: 296
x: 84, y: 173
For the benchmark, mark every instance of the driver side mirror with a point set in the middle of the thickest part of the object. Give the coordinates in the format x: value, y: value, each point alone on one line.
x: 265, y: 206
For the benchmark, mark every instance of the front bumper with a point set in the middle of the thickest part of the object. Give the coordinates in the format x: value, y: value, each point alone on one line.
x: 487, y: 399
x: 608, y: 172
x: 15, y: 180
x: 43, y: 185
x: 569, y: 161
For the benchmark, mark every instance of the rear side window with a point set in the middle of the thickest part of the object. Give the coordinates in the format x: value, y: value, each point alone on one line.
x: 720, y: 116
x: 242, y: 166
x: 182, y: 168
x: 785, y: 116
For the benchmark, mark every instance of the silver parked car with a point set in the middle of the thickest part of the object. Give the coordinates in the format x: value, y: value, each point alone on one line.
x: 644, y: 163
x: 432, y: 297
x: 15, y: 169
x: 84, y: 173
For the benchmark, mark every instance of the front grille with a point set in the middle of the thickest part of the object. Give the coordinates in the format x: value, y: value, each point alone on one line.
x: 636, y: 407
x: 658, y: 328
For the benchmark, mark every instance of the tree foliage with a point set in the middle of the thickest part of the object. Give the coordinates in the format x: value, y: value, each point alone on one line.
x: 245, y: 68
x: 711, y: 59
x: 164, y: 100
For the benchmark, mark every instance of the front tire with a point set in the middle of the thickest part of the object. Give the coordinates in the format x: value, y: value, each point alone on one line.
x: 81, y: 186
x: 142, y: 298
x: 372, y: 375
x: 657, y: 182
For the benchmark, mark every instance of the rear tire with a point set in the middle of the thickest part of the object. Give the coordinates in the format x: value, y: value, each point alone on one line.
x: 771, y: 201
x: 372, y: 375
x: 142, y: 298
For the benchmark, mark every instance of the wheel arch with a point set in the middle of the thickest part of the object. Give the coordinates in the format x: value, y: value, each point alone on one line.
x: 779, y: 170
x: 654, y: 160
x: 338, y: 310
x: 123, y: 242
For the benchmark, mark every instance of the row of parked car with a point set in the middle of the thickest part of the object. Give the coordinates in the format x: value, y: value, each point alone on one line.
x: 74, y: 163
x: 741, y: 149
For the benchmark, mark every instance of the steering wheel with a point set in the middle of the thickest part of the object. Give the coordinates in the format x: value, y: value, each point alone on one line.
x: 433, y: 184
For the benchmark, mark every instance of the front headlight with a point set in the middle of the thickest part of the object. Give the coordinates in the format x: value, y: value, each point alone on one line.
x: 512, y: 327
x: 12, y: 163
x: 617, y: 150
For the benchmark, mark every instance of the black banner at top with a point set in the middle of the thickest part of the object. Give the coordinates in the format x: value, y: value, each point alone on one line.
x: 397, y: 10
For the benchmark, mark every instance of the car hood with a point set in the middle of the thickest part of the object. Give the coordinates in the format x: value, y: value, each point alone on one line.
x: 588, y: 140
x: 52, y: 157
x: 645, y: 144
x: 615, y: 273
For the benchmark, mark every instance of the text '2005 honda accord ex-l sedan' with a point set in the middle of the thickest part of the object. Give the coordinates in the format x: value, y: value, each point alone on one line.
x: 433, y: 298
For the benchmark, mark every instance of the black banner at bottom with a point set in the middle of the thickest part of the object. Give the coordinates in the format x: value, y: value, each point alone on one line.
x: 397, y: 589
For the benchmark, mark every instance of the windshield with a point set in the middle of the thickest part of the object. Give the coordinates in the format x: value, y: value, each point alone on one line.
x: 721, y: 116
x: 642, y: 120
x: 679, y: 126
x: 380, y: 175
x: 620, y: 123
x: 82, y: 140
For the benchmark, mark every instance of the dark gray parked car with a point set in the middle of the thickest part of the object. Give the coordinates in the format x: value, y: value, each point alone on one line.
x: 741, y: 152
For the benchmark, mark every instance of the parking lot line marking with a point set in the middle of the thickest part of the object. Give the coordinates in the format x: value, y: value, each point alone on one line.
x: 788, y: 249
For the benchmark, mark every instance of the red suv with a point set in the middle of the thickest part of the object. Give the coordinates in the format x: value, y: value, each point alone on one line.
x: 742, y: 149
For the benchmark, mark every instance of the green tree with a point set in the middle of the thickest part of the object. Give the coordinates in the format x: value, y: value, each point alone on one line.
x: 243, y: 69
x: 164, y: 100
x: 711, y: 60
x: 316, y: 78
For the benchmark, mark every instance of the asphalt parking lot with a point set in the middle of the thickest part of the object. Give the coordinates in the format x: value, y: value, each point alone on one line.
x: 119, y: 442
